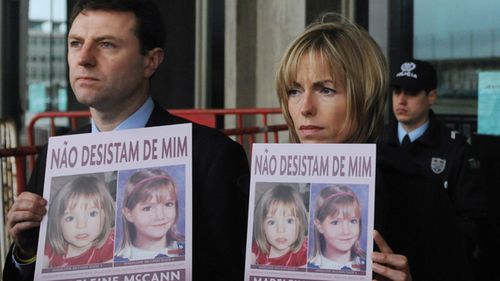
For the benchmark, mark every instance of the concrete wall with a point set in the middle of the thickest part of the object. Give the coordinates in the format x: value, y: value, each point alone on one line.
x: 257, y: 33
x: 240, y: 52
x: 278, y: 22
x: 1, y: 59
x: 378, y: 22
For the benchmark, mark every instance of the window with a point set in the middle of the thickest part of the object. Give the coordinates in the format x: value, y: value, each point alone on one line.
x: 46, y: 35
x: 460, y: 40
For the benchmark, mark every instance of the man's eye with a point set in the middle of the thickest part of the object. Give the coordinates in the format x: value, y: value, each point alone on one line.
x: 397, y: 91
x: 74, y: 44
x: 107, y: 45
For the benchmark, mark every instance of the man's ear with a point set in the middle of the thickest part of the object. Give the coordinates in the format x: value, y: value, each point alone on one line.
x: 152, y: 61
x: 432, y: 97
x: 127, y: 215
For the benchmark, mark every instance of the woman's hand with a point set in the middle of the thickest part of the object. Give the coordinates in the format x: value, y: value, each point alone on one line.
x: 386, y: 264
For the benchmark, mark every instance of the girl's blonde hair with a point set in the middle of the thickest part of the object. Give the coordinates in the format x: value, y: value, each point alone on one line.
x: 359, y: 64
x: 332, y: 201
x: 142, y: 186
x: 269, y: 201
x: 89, y: 188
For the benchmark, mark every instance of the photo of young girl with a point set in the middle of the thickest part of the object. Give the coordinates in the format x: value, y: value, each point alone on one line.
x: 337, y: 229
x: 149, y: 215
x: 280, y: 227
x: 81, y: 220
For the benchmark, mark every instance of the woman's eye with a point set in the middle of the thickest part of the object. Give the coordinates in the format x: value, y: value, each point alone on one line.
x: 170, y: 204
x: 94, y: 213
x: 334, y: 222
x: 146, y: 209
x: 328, y: 91
x: 69, y: 218
x: 290, y: 220
x: 293, y: 92
x: 354, y: 221
x: 270, y: 222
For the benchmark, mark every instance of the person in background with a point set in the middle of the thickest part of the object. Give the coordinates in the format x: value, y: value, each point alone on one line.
x: 435, y: 147
x: 114, y: 48
x: 331, y: 84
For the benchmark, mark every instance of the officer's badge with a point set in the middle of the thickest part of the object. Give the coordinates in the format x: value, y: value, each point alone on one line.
x: 473, y: 163
x: 438, y: 165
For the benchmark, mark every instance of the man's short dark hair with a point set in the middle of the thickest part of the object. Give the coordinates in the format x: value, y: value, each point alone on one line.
x: 149, y: 30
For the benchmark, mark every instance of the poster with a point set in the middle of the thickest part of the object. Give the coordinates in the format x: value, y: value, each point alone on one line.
x: 311, y: 212
x: 119, y: 206
x: 488, y: 112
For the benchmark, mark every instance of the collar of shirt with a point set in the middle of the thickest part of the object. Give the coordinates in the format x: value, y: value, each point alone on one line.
x: 415, y: 134
x: 137, y: 120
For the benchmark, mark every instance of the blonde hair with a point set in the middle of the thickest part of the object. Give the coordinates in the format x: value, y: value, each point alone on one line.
x: 142, y: 186
x: 88, y: 188
x: 279, y: 195
x: 360, y: 65
x: 332, y: 201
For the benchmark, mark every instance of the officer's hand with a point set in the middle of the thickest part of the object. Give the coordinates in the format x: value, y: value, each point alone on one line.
x: 386, y: 264
x: 25, y: 214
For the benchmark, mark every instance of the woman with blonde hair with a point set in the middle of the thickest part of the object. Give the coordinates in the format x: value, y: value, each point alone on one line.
x: 332, y: 86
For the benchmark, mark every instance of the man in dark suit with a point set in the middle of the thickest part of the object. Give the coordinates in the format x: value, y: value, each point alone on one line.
x: 114, y: 48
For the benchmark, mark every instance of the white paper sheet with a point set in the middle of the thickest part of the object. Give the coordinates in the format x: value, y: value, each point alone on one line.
x: 112, y: 158
x: 313, y: 171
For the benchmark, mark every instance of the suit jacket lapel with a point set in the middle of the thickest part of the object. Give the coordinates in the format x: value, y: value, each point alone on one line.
x: 160, y: 117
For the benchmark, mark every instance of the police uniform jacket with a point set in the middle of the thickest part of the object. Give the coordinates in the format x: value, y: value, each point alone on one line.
x: 220, y: 199
x: 416, y: 218
x: 447, y: 154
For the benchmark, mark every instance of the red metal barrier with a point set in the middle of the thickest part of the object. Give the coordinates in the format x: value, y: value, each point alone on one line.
x: 250, y: 125
x: 20, y: 154
x: 72, y: 116
x: 207, y: 117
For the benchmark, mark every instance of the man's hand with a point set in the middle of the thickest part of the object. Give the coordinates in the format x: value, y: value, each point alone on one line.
x: 386, y: 264
x: 25, y: 214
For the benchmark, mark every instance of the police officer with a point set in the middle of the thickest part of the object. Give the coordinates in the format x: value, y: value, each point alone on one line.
x: 434, y: 146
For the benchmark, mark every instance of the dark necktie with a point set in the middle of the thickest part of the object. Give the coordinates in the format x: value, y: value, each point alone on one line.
x: 406, y: 141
